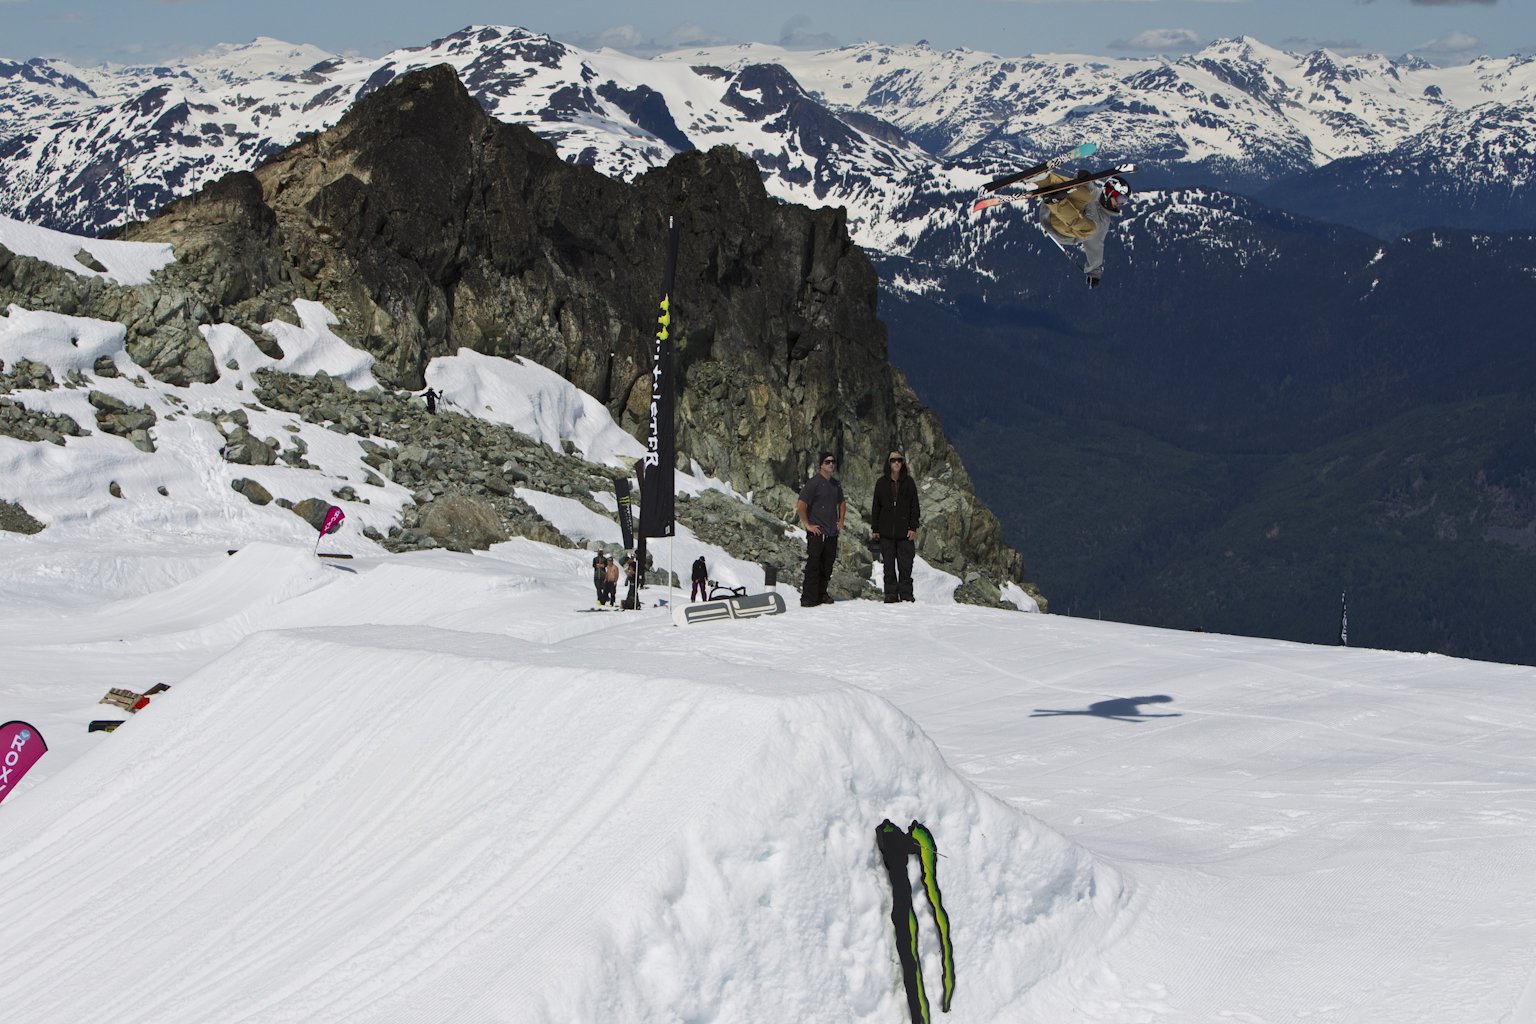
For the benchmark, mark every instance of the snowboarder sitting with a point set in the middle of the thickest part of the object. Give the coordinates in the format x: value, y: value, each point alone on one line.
x: 1082, y: 216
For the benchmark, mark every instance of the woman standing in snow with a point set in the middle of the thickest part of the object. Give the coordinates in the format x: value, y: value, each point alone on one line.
x: 894, y: 517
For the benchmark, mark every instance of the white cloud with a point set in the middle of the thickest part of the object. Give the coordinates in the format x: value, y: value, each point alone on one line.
x: 1161, y: 40
x: 797, y: 35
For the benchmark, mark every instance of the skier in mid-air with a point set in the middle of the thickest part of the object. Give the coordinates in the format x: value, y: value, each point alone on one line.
x: 1083, y: 216
x: 1076, y: 211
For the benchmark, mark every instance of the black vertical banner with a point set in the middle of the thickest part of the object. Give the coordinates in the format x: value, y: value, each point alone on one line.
x: 657, y: 507
x: 626, y: 511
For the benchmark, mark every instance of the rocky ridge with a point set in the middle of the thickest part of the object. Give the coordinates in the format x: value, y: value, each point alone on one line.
x: 427, y: 227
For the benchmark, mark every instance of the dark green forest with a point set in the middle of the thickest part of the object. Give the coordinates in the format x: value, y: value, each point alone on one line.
x: 1228, y: 444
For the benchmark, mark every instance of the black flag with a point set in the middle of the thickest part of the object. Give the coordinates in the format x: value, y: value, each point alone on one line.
x: 657, y: 509
x: 626, y: 511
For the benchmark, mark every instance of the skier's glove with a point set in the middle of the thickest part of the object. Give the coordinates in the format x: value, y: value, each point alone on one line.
x: 1092, y: 279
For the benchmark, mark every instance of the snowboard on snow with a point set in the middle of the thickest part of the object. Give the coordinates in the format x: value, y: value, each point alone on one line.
x: 748, y: 607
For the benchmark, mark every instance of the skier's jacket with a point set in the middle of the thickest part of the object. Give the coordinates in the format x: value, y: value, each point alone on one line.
x: 1079, y: 219
x: 700, y: 570
x: 895, y: 510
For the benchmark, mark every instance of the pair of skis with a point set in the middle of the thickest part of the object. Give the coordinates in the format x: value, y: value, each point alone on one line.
x: 1036, y: 190
x: 895, y: 848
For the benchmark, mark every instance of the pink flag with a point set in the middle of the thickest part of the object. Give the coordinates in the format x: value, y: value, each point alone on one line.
x: 20, y: 747
x: 333, y: 520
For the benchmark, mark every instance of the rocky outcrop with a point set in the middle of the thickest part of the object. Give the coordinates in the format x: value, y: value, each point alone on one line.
x: 15, y: 519
x: 425, y: 226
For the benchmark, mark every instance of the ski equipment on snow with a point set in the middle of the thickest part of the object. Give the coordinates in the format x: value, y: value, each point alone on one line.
x: 750, y: 607
x: 895, y: 847
x: 1086, y: 149
x: 1065, y: 186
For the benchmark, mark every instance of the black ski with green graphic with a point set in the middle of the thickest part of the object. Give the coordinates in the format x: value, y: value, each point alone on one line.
x: 895, y: 848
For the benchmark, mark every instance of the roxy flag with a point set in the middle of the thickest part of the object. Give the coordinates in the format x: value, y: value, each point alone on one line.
x: 333, y: 520
x: 20, y: 747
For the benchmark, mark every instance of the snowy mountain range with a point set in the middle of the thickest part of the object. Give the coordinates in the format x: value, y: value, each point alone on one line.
x: 898, y: 135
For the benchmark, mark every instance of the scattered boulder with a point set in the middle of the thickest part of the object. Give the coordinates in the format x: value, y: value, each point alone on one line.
x: 461, y: 522
x: 15, y: 519
x: 245, y: 449
x: 253, y: 491
x: 117, y: 417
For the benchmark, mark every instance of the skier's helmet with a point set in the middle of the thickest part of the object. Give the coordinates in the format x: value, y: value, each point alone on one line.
x: 1115, y: 194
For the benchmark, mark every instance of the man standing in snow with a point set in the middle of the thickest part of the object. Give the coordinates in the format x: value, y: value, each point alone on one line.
x: 821, y: 509
x: 700, y: 590
x: 600, y: 575
x: 894, y: 518
x: 611, y: 581
x: 1082, y: 216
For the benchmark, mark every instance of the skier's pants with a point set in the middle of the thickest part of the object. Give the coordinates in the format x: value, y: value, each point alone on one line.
x: 820, y: 554
x: 897, y: 556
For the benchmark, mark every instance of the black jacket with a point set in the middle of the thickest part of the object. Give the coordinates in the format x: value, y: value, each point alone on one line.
x: 895, y: 511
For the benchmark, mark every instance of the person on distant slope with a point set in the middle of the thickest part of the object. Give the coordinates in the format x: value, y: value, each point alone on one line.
x: 432, y: 396
x: 893, y: 518
x: 600, y: 575
x: 700, y: 591
x: 611, y: 582
x: 821, y: 508
x: 1082, y: 217
x: 631, y: 579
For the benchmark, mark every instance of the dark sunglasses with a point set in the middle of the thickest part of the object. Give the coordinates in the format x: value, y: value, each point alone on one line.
x: 829, y: 462
x: 902, y: 461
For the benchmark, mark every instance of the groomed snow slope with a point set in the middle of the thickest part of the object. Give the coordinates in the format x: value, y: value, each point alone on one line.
x: 431, y: 788
x: 416, y: 823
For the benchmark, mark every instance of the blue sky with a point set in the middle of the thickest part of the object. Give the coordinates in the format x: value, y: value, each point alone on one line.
x: 1445, y: 31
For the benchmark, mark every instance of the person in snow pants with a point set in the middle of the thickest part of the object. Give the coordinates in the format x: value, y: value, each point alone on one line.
x: 894, y: 517
x: 600, y: 575
x: 821, y: 508
x: 1082, y: 217
x: 700, y: 591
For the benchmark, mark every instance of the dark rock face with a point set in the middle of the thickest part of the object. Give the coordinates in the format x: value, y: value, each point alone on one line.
x: 425, y: 226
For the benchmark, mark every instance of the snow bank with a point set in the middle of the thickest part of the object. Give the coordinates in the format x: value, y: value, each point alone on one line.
x: 127, y: 263
x: 533, y: 400
x: 401, y: 830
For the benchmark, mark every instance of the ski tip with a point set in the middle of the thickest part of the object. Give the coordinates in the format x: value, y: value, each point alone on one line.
x: 985, y: 204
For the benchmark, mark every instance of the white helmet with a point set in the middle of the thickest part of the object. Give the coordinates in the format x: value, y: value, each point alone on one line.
x: 1116, y: 192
